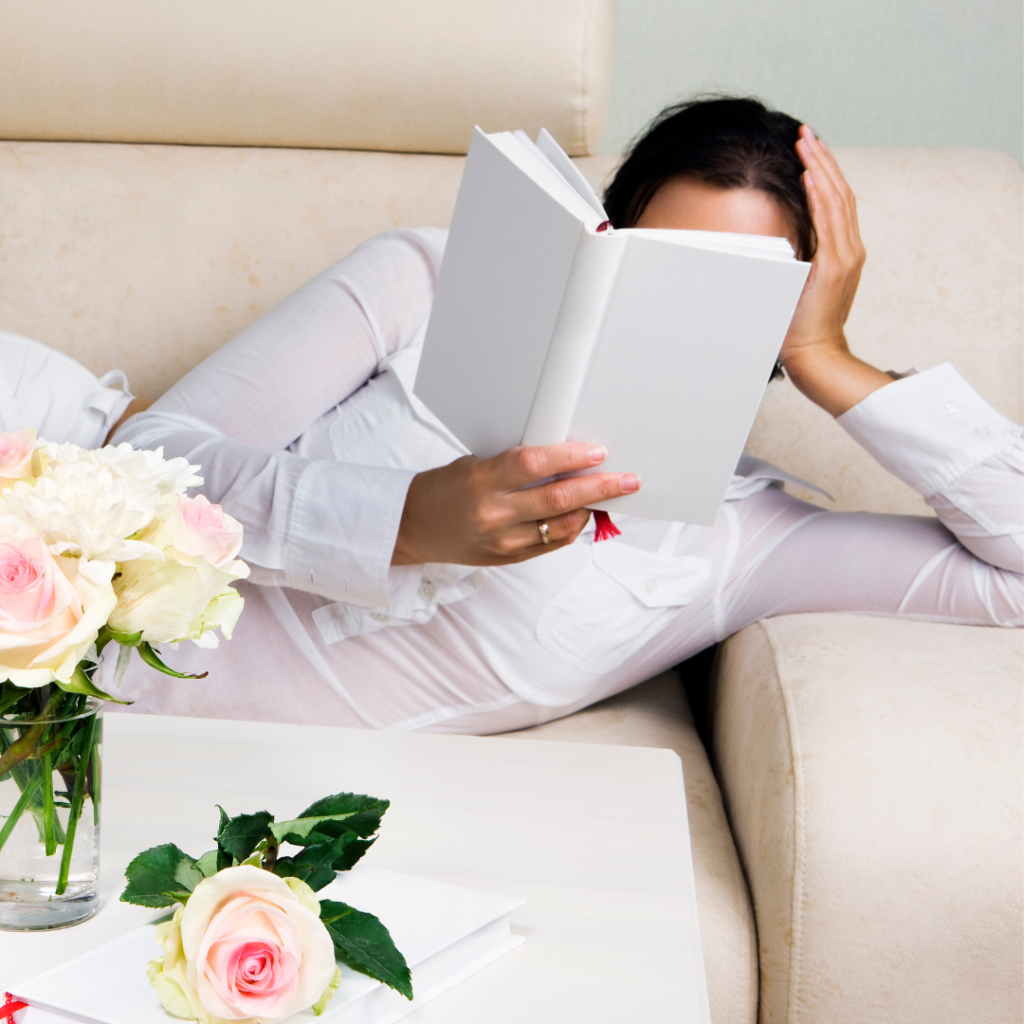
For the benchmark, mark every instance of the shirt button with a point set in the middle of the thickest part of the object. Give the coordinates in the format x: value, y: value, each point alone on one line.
x: 952, y: 406
x: 378, y: 617
x: 651, y: 585
x: 427, y: 591
x: 982, y: 431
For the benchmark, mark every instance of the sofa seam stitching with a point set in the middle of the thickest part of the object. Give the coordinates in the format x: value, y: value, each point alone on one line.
x: 799, y: 836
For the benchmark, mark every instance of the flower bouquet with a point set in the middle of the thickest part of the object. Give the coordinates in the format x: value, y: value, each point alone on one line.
x: 249, y: 940
x: 96, y: 547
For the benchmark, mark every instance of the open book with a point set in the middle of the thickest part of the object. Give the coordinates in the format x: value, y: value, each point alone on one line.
x: 548, y: 327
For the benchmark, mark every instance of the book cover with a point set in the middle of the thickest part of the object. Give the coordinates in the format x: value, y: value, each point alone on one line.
x: 547, y: 327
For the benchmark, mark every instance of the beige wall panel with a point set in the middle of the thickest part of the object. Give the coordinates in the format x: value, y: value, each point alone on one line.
x: 401, y: 75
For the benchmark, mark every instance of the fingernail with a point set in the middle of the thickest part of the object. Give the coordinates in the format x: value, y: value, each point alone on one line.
x: 808, y: 179
x: 629, y: 482
x: 810, y: 131
x: 598, y: 453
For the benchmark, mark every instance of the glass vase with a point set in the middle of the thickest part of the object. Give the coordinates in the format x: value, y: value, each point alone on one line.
x: 49, y: 809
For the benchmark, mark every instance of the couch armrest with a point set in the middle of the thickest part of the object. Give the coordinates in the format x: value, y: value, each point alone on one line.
x: 871, y: 772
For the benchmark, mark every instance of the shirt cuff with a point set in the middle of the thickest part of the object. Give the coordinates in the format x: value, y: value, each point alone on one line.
x: 929, y: 429
x: 343, y: 528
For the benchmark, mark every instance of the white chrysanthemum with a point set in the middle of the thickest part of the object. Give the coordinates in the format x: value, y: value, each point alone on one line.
x: 90, y: 503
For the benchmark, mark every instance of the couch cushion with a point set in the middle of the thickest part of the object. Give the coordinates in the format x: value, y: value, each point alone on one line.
x: 147, y: 258
x: 402, y: 75
x: 656, y: 714
x: 872, y: 773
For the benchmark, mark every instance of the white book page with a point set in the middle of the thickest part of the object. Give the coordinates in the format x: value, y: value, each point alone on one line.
x: 684, y: 354
x: 500, y: 288
x: 587, y: 293
x: 572, y: 174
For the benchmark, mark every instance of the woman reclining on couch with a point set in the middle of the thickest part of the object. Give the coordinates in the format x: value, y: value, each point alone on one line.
x: 396, y: 582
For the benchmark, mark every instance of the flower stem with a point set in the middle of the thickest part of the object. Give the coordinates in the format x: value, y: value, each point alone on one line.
x: 94, y: 787
x: 49, y: 832
x: 77, y: 799
x: 19, y: 808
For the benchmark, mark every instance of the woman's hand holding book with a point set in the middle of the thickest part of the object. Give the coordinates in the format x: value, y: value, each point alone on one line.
x: 484, y: 511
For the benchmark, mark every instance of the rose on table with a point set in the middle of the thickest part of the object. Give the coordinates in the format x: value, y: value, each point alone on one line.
x: 250, y: 941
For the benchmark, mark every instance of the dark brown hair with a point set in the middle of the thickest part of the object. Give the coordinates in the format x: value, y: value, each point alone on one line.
x: 730, y: 142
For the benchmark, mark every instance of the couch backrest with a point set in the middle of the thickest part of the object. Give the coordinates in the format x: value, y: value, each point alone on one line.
x: 150, y: 257
x: 401, y: 75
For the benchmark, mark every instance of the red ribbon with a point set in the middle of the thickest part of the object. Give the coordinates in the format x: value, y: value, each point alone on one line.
x: 11, y: 1007
x: 604, y: 528
x: 603, y: 226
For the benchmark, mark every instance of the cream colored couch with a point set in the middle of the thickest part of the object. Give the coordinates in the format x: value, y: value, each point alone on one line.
x: 177, y: 167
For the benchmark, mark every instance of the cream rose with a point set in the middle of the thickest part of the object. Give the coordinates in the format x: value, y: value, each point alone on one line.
x: 248, y: 946
x: 183, y: 597
x: 16, y: 456
x: 50, y: 612
x: 198, y: 528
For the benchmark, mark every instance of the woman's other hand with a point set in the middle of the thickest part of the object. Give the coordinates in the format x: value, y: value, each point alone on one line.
x: 475, y: 511
x: 815, y: 353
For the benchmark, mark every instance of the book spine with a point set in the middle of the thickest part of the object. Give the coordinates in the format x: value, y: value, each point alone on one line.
x: 587, y: 292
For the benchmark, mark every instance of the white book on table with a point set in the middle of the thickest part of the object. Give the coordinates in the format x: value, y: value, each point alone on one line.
x: 655, y: 343
x: 446, y: 933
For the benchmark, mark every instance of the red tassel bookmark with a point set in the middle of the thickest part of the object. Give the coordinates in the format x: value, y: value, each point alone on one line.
x: 11, y: 1007
x: 604, y: 528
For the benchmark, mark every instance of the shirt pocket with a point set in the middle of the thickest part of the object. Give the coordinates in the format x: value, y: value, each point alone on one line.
x: 597, y: 624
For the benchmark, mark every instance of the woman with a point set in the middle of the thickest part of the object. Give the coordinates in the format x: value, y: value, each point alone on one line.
x: 396, y: 582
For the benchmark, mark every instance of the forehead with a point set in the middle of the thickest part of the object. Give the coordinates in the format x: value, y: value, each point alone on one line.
x: 689, y: 204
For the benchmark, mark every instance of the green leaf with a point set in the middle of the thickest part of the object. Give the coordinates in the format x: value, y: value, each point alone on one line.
x: 106, y: 634
x: 297, y: 832
x: 364, y: 944
x: 10, y: 695
x: 354, y: 812
x: 160, y: 877
x: 352, y: 853
x: 224, y: 859
x: 81, y: 683
x: 208, y: 863
x: 150, y: 657
x: 315, y: 864
x: 241, y: 835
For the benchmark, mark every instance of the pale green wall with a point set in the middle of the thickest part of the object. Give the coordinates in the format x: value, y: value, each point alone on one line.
x: 868, y: 72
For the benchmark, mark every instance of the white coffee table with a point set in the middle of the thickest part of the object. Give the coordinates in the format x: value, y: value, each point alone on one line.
x: 594, y: 838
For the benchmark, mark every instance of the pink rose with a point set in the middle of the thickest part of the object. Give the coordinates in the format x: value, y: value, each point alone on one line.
x: 247, y: 946
x: 49, y: 613
x: 16, y: 455
x: 198, y: 528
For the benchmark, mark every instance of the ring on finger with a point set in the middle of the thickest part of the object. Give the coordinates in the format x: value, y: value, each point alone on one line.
x: 545, y: 537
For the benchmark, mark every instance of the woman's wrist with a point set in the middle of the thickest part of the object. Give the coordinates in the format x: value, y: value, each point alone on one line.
x: 831, y: 376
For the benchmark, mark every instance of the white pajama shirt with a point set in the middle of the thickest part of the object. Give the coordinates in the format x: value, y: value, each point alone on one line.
x: 307, y: 433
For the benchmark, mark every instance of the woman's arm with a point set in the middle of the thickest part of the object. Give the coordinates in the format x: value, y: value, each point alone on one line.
x: 335, y: 528
x: 934, y: 432
x: 815, y: 353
